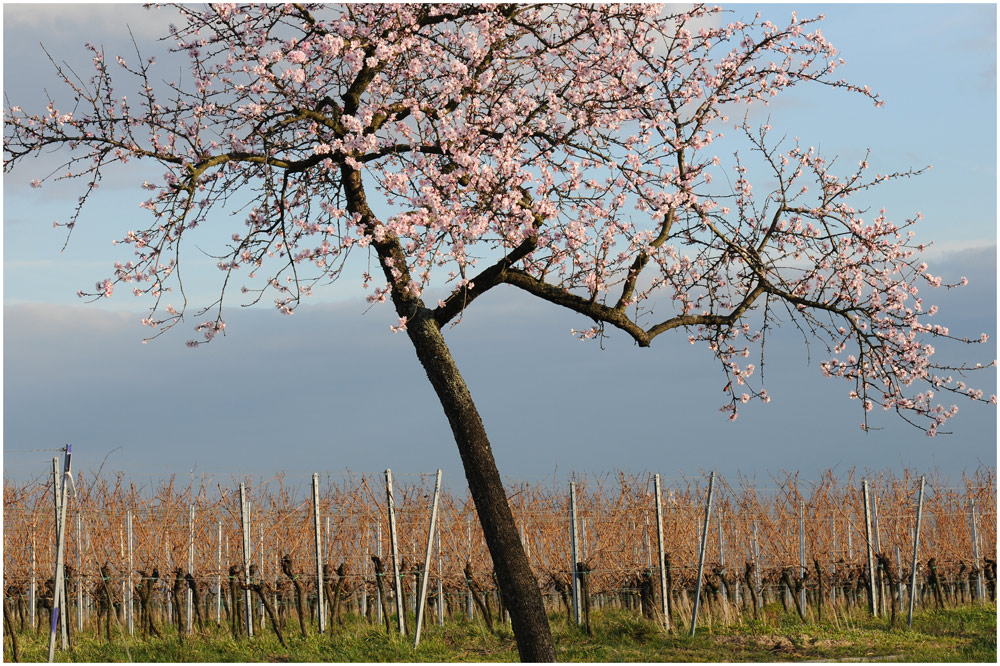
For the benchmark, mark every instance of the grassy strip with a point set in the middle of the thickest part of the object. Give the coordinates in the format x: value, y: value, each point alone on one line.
x: 967, y: 634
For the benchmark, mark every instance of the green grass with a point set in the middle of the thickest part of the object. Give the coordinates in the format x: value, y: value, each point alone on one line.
x: 967, y: 634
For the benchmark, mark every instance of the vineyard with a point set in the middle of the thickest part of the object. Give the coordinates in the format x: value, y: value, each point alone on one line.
x: 147, y: 560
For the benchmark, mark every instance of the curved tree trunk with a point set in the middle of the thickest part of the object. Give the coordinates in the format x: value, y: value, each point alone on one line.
x: 521, y: 595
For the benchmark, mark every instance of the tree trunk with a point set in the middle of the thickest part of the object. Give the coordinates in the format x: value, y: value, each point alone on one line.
x: 748, y: 581
x: 195, y: 600
x: 379, y: 573
x: 521, y: 595
x: 286, y: 567
x: 8, y: 627
x: 176, y: 596
x: 479, y: 596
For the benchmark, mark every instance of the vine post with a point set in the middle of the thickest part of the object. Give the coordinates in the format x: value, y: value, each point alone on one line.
x: 869, y: 549
x: 218, y: 575
x: 189, y: 597
x: 245, y: 523
x: 427, y: 562
x: 129, y: 604
x: 974, y: 523
x: 916, y: 546
x: 701, y: 553
x: 574, y: 554
x: 394, y: 542
x: 664, y: 601
x: 59, y: 592
x: 320, y: 609
x: 802, y: 553
x: 79, y: 571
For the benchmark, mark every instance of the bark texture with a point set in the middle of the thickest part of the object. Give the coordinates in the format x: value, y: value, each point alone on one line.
x: 518, y: 586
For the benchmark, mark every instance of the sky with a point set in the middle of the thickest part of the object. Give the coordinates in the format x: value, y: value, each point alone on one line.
x: 332, y: 389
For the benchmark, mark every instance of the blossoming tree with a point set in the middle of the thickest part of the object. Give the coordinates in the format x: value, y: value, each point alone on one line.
x: 572, y: 152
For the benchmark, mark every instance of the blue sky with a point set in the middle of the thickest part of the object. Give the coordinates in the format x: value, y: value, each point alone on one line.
x: 332, y: 388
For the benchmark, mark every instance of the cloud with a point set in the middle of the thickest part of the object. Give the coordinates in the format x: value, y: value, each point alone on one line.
x: 97, y: 23
x: 330, y: 388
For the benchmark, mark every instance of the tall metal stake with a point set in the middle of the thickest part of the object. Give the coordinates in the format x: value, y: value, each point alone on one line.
x: 802, y: 553
x: 574, y: 553
x: 899, y: 578
x: 664, y: 601
x: 59, y: 591
x: 916, y: 545
x: 320, y: 606
x: 701, y: 553
x: 469, y: 607
x: 57, y: 496
x: 427, y: 562
x: 440, y: 583
x: 260, y: 553
x: 378, y: 553
x: 33, y: 585
x: 980, y: 589
x: 872, y: 607
x: 245, y: 520
x: 189, y: 600
x: 394, y: 541
x: 756, y: 567
x: 877, y: 534
x: 218, y: 576
x: 130, y: 604
x: 79, y: 572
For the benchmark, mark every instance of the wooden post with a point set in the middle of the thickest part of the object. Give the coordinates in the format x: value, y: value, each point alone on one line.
x: 320, y: 607
x: 980, y: 591
x: 427, y: 563
x: 916, y: 545
x: 664, y: 601
x: 245, y: 524
x: 701, y: 553
x: 59, y: 592
x: 868, y: 538
x: 574, y: 552
x: 394, y: 543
